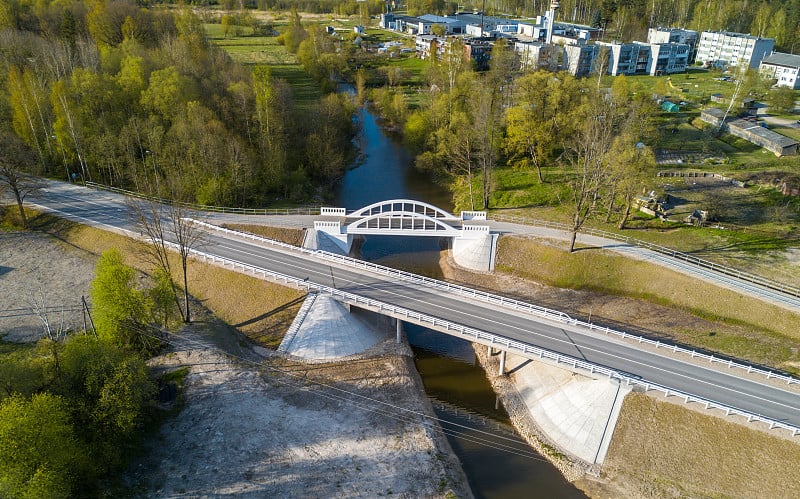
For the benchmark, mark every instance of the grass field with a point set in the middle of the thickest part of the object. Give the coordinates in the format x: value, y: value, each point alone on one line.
x: 661, y: 449
x: 265, y: 50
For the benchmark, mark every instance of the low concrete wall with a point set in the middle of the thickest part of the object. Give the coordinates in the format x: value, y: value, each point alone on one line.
x: 475, y: 253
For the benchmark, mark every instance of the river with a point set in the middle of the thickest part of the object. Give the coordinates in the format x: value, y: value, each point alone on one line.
x: 499, y: 465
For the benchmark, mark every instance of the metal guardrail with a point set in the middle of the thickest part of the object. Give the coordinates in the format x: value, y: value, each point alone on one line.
x: 484, y: 337
x: 311, y: 210
x: 716, y: 267
x: 543, y: 312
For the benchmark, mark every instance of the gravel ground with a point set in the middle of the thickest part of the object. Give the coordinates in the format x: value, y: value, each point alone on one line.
x: 244, y: 434
x: 35, y: 270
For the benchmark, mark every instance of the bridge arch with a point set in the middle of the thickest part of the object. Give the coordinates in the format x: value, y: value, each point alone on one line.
x: 405, y: 222
x: 408, y: 206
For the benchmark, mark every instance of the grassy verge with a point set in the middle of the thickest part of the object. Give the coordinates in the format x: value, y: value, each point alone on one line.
x: 760, y: 224
x: 260, y: 309
x: 765, y: 334
x: 661, y: 449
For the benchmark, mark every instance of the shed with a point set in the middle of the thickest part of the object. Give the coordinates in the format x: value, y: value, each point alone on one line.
x: 718, y: 98
x: 670, y: 107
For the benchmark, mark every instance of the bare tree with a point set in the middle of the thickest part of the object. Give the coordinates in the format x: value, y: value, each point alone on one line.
x: 16, y: 171
x: 168, y: 228
x: 587, y: 157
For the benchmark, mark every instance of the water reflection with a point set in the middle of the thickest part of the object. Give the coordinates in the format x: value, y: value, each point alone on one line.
x: 384, y: 172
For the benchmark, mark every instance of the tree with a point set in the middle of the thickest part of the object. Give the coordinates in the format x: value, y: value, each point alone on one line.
x: 781, y: 99
x: 587, y: 158
x: 168, y: 228
x: 16, y: 163
x: 119, y: 309
x: 38, y: 448
x: 542, y: 120
x: 109, y: 389
x: 631, y: 165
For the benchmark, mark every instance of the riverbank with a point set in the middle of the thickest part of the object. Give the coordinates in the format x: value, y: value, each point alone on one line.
x: 252, y: 423
x: 273, y: 427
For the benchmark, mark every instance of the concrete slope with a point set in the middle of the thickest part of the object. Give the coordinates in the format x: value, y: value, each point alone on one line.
x: 329, y: 331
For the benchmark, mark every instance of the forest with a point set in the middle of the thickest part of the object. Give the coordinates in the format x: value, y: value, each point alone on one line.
x: 134, y: 97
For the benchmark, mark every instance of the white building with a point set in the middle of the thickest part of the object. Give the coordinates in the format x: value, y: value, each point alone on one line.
x: 668, y: 58
x: 783, y: 68
x: 579, y: 60
x: 675, y: 35
x: 451, y: 25
x: 534, y: 55
x: 428, y: 45
x: 627, y: 58
x: 567, y: 33
x: 722, y: 48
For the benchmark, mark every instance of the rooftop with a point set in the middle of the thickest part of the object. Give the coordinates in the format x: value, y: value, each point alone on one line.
x: 782, y: 59
x: 775, y: 138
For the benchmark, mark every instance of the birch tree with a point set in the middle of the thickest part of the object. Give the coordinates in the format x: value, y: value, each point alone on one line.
x: 167, y: 228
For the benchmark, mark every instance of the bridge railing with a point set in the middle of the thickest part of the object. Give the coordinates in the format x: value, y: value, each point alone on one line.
x: 483, y: 337
x: 693, y: 260
x: 540, y: 311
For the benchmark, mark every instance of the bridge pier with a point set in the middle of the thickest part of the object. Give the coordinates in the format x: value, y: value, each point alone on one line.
x: 502, y: 362
x: 399, y: 330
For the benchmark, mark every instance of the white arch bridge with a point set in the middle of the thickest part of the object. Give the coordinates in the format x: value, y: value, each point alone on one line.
x: 473, y: 244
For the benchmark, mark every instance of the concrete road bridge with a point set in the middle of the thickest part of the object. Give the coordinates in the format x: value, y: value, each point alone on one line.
x: 729, y: 387
x: 473, y: 244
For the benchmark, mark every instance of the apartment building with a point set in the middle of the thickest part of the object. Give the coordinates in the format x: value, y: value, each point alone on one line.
x: 723, y: 49
x: 675, y: 35
x: 783, y: 68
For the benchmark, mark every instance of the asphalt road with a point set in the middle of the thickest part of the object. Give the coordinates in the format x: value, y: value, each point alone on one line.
x: 105, y: 209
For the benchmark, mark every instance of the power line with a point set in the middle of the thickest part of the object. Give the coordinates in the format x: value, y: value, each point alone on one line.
x: 387, y: 409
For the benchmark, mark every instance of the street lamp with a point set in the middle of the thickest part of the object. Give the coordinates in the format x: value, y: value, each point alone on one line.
x: 147, y: 152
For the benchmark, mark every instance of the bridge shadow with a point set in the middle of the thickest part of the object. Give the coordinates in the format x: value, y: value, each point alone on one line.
x: 270, y: 313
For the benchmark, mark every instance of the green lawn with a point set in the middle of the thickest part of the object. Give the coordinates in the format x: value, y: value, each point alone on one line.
x: 265, y: 50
